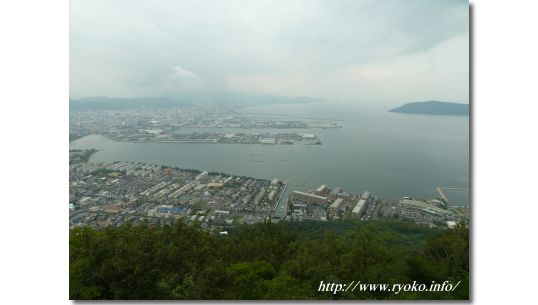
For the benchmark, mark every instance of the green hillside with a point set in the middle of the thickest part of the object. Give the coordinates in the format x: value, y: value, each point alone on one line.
x: 265, y: 261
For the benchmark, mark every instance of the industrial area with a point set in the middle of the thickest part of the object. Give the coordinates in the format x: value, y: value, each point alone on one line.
x: 191, y: 125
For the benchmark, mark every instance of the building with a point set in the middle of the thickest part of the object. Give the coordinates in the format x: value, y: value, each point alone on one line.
x: 424, y: 207
x: 309, y: 198
x: 336, y: 206
x: 260, y: 196
x: 202, y: 176
x: 268, y: 141
x: 300, y: 205
x: 154, y: 131
x: 271, y: 195
x: 215, y: 184
x: 335, y: 192
x: 112, y: 208
x: 437, y: 203
x: 247, y: 198
x: 299, y: 209
x: 84, y: 201
x: 344, y: 196
x: 358, y: 210
x: 322, y: 190
x: 365, y: 195
x: 170, y: 209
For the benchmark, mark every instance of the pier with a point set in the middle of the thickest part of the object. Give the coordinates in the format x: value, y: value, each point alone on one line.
x: 440, y: 191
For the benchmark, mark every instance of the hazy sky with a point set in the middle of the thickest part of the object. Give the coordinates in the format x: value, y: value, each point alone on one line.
x: 357, y: 50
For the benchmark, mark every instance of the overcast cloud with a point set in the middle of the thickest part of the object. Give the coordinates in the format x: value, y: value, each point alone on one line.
x: 358, y: 50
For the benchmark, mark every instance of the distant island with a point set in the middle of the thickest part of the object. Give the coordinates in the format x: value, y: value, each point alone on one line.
x: 433, y: 107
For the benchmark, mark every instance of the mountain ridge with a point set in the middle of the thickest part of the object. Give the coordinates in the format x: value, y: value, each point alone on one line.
x: 433, y: 108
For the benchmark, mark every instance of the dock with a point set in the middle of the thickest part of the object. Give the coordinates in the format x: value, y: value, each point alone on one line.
x: 440, y: 191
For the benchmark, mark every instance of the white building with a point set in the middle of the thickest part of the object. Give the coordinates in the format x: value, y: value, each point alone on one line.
x: 268, y: 141
x: 336, y: 206
x: 202, y: 176
x: 358, y: 210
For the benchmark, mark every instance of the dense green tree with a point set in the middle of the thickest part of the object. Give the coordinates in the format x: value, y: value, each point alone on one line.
x: 265, y: 261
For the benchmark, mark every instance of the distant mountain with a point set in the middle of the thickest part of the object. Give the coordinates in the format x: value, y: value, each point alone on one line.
x: 101, y: 103
x: 228, y: 99
x: 434, y: 108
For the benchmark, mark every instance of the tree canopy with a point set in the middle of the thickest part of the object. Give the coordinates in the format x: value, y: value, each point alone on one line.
x: 265, y: 261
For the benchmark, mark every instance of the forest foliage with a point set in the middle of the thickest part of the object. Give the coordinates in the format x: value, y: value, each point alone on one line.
x: 264, y: 261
